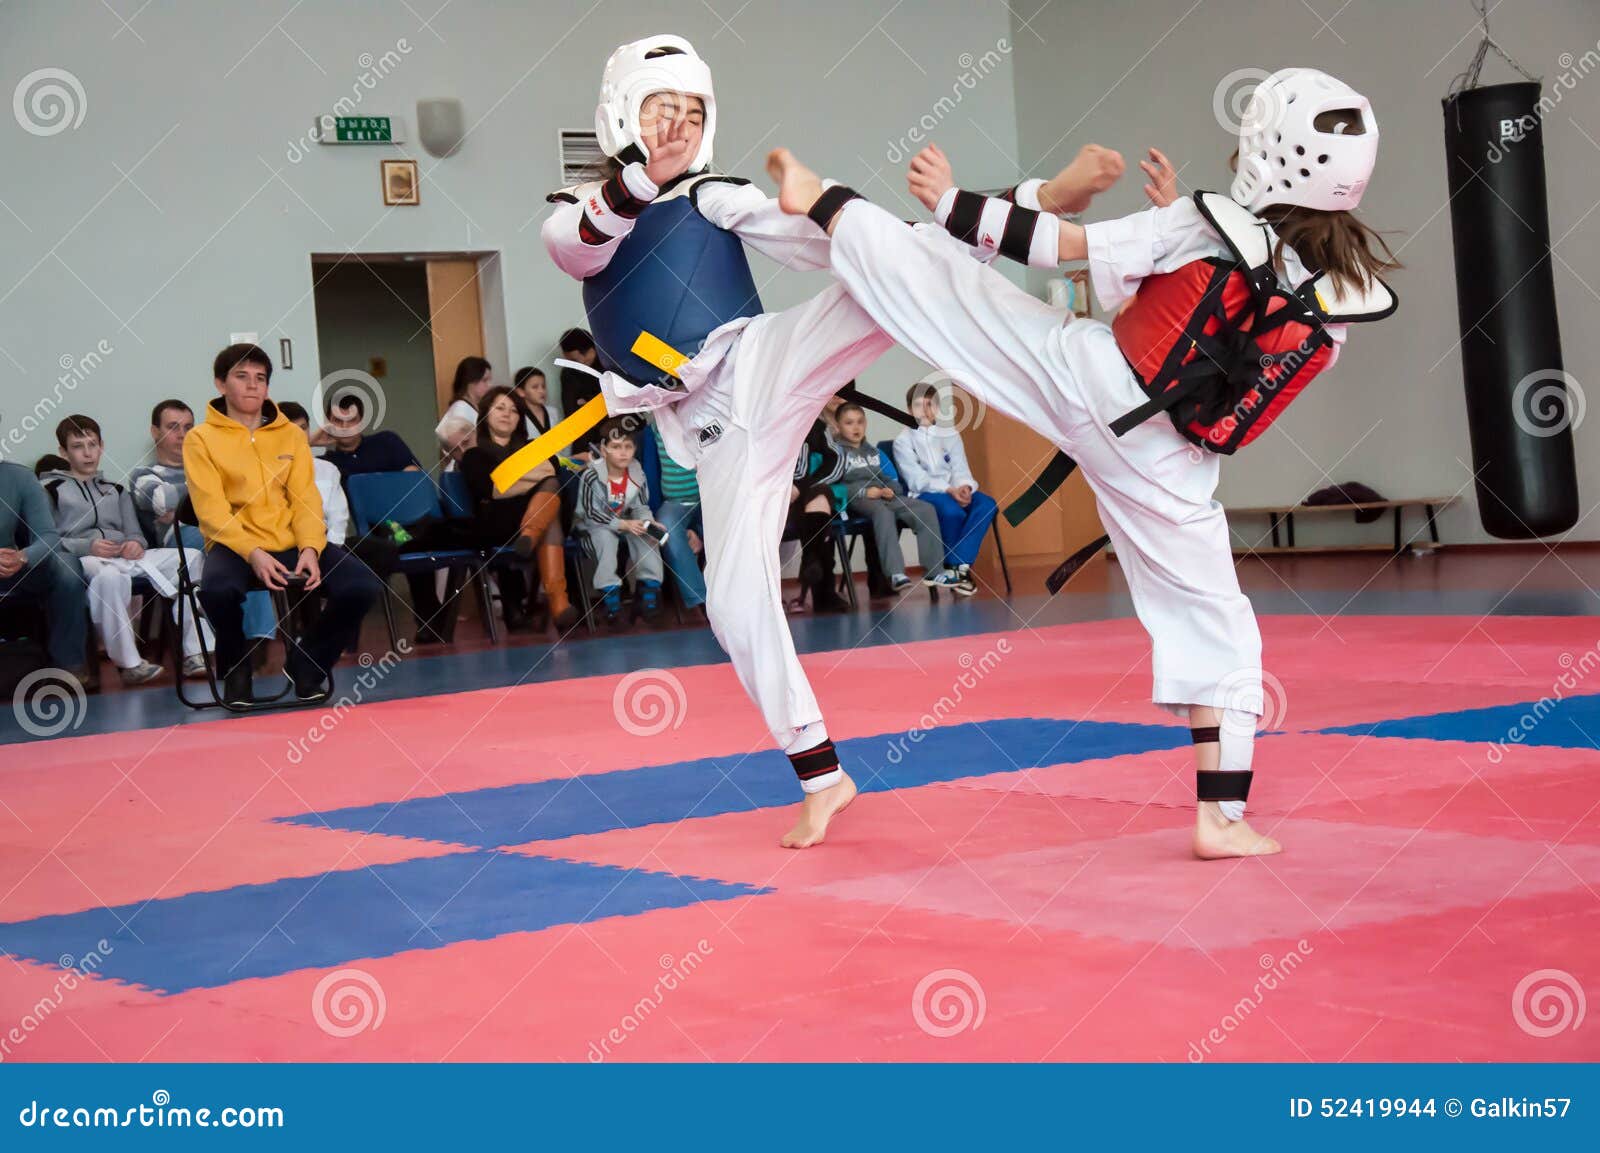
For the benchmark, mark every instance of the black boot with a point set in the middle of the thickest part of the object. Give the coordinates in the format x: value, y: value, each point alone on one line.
x: 816, y: 562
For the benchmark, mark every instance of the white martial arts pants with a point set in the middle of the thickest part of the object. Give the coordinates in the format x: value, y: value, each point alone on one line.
x: 111, y: 591
x: 1067, y: 379
x: 774, y: 380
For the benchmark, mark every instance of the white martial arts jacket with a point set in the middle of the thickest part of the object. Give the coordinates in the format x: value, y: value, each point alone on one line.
x: 932, y: 458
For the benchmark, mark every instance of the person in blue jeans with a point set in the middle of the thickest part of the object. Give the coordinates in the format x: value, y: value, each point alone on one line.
x: 38, y: 577
x: 679, y: 514
x: 933, y: 464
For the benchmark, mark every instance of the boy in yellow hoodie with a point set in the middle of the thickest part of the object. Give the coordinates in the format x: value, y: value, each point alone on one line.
x: 251, y: 483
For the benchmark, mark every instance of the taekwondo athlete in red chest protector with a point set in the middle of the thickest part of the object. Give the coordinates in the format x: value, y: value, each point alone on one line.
x: 1226, y: 307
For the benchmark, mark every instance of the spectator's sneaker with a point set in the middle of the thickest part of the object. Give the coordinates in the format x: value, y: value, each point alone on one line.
x: 309, y: 684
x: 943, y: 579
x: 650, y: 600
x: 611, y: 606
x: 899, y: 582
x: 194, y: 668
x: 141, y: 674
x: 237, y: 688
x: 968, y: 587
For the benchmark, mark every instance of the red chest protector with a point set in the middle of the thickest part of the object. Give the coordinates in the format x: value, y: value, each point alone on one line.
x: 1220, y: 347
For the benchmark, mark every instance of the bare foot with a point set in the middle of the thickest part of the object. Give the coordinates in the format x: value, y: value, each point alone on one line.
x: 815, y: 813
x: 1217, y: 838
x: 798, y: 186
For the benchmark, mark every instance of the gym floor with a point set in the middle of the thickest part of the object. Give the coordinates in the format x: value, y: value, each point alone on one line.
x: 569, y: 852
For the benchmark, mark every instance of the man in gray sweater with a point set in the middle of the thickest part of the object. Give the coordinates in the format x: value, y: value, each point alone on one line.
x: 871, y: 491
x: 100, y: 526
x: 36, y: 577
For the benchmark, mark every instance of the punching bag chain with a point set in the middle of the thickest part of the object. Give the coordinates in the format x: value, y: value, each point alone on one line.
x: 1469, y: 78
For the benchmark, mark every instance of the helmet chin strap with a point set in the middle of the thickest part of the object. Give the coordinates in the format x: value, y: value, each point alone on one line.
x: 579, y: 365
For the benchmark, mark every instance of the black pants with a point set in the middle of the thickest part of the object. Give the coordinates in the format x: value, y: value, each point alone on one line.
x: 348, y: 587
x: 52, y: 590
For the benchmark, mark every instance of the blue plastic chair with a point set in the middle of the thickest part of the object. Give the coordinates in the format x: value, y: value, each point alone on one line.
x: 407, y: 497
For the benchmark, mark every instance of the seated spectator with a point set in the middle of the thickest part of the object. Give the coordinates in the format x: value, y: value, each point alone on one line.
x: 329, y: 480
x: 526, y: 516
x: 158, y: 491
x: 254, y: 492
x: 679, y: 514
x: 933, y: 463
x: 36, y: 577
x: 351, y: 449
x: 99, y: 526
x: 456, y: 427
x: 871, y: 491
x: 811, y: 521
x: 534, y: 393
x: 354, y: 451
x: 578, y: 388
x: 613, y: 509
x: 877, y: 579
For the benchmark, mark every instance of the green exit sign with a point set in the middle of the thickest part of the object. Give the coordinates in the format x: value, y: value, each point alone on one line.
x: 360, y: 130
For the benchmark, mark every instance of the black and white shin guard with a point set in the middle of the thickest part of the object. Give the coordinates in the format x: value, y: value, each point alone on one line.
x: 817, y: 766
x: 1229, y: 783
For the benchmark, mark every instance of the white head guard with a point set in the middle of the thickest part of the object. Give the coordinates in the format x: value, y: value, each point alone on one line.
x: 634, y: 71
x: 1286, y: 158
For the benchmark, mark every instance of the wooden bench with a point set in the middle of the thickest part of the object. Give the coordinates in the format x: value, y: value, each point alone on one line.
x: 1281, y: 518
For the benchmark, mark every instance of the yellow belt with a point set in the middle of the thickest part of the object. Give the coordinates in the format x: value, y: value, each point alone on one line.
x: 531, y: 455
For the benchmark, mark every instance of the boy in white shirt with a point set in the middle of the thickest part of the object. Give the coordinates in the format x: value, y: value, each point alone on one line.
x: 933, y: 463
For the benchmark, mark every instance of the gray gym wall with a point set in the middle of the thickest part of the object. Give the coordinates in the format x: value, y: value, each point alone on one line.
x: 172, y: 214
x: 1391, y: 413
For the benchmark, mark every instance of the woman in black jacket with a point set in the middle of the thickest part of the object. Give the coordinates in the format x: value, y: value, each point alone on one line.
x: 525, y: 517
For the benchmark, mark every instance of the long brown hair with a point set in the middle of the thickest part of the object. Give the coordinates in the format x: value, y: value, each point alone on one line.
x: 1337, y: 243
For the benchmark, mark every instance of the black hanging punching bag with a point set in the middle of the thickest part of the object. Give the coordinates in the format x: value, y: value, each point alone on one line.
x: 1518, y: 407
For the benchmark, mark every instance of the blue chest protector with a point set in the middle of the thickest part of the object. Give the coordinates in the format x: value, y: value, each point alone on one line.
x: 676, y: 276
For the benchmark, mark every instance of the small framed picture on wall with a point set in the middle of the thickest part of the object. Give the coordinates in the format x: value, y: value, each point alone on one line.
x: 400, y: 182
